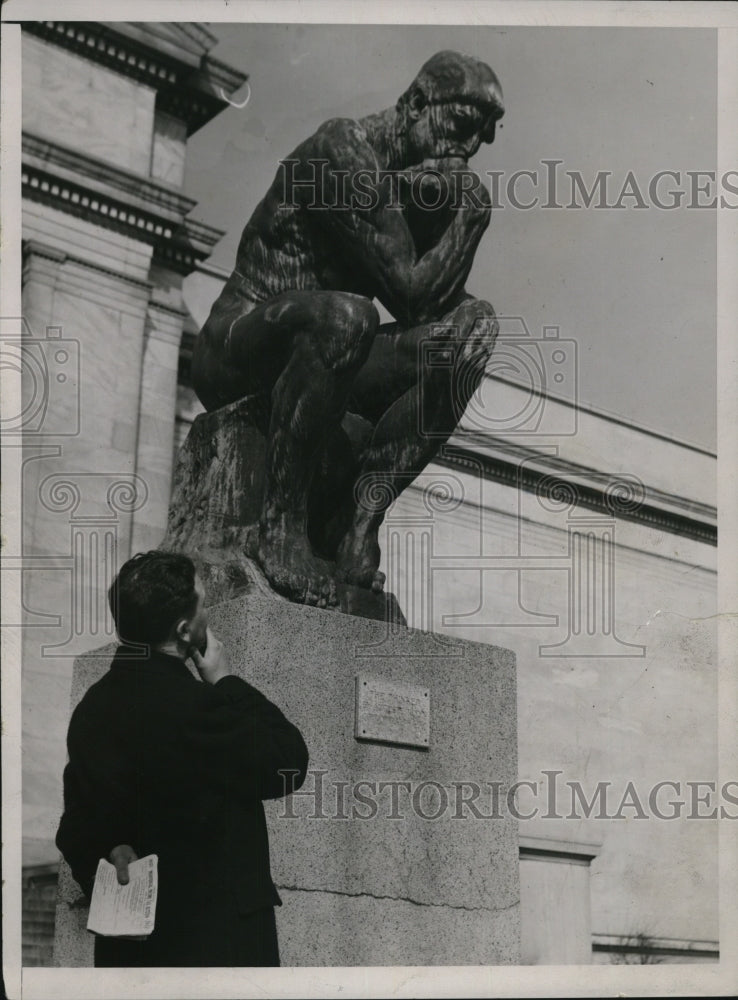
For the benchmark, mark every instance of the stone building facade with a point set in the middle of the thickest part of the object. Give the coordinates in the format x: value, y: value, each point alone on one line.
x: 107, y: 243
x: 581, y: 542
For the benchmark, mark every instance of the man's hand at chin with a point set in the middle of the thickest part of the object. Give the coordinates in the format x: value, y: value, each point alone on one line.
x: 443, y: 182
x: 213, y: 664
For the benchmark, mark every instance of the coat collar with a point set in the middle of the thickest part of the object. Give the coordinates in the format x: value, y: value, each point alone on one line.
x: 131, y: 658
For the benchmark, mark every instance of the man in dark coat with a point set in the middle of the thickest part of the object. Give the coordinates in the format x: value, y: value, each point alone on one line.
x: 162, y: 763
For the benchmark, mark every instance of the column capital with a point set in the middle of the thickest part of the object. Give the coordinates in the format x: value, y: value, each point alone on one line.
x: 41, y: 262
x: 35, y: 248
x: 164, y: 322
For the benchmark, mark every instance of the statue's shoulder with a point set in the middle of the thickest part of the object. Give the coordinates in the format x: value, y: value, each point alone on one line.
x: 341, y: 138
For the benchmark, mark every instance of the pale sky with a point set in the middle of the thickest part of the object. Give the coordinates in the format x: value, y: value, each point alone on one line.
x: 634, y: 288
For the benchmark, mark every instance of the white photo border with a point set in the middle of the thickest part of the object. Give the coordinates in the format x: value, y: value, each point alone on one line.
x: 591, y: 980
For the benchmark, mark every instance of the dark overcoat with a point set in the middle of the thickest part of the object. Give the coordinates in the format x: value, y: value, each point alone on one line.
x: 177, y: 767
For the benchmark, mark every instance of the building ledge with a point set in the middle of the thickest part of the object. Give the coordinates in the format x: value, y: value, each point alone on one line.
x: 641, y: 944
x: 71, y: 165
x: 177, y: 40
x: 559, y: 481
x: 575, y: 852
x: 117, y: 199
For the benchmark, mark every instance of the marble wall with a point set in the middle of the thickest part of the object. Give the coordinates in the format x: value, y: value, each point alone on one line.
x: 168, y: 149
x: 79, y: 495
x: 97, y: 467
x: 81, y: 104
x: 637, y: 703
x: 154, y: 451
x: 105, y: 330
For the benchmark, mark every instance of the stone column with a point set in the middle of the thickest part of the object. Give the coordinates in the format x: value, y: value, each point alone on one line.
x: 154, y: 449
x: 40, y: 274
x: 82, y: 349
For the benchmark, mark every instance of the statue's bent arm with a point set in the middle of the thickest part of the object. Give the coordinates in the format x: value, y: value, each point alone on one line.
x: 378, y: 240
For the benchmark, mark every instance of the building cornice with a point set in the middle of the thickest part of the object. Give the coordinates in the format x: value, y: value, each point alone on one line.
x: 190, y: 85
x: 219, y: 74
x: 137, y: 191
x: 560, y: 481
x: 202, y: 236
x: 183, y: 42
x: 35, y: 248
x: 117, y: 199
x: 198, y: 33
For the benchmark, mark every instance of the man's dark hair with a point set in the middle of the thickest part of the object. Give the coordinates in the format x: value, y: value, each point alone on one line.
x: 152, y: 591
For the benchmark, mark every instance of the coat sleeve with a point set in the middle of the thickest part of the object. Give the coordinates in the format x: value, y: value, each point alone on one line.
x: 243, y: 733
x: 97, y: 801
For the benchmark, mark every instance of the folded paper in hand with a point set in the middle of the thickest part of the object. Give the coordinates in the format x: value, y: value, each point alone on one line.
x: 124, y: 910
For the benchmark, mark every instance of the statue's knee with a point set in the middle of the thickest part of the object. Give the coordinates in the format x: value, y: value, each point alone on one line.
x: 348, y: 330
x: 471, y: 312
x: 476, y: 328
x: 358, y: 314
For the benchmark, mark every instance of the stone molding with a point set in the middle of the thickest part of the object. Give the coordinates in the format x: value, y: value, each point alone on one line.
x: 165, y: 324
x: 41, y: 263
x: 177, y: 315
x: 593, y: 489
x: 633, y: 549
x: 107, y: 201
x: 34, y: 248
x: 71, y: 164
x: 183, y: 41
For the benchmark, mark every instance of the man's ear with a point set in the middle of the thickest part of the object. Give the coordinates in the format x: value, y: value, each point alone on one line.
x: 182, y: 631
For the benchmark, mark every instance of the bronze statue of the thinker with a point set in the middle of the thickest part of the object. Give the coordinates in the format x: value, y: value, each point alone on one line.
x: 384, y: 208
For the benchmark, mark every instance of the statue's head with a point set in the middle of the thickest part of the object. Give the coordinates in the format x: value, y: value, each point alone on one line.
x: 451, y: 108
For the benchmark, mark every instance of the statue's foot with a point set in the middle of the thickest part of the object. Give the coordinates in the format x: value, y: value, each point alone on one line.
x: 357, y: 561
x: 293, y: 570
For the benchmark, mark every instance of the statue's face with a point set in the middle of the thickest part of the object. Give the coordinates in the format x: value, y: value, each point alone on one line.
x: 451, y: 108
x: 450, y: 129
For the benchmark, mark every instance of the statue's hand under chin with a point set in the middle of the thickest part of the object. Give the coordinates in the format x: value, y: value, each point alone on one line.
x: 430, y: 199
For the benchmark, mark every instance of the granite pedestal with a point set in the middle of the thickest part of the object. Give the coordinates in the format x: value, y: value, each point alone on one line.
x: 421, y: 881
